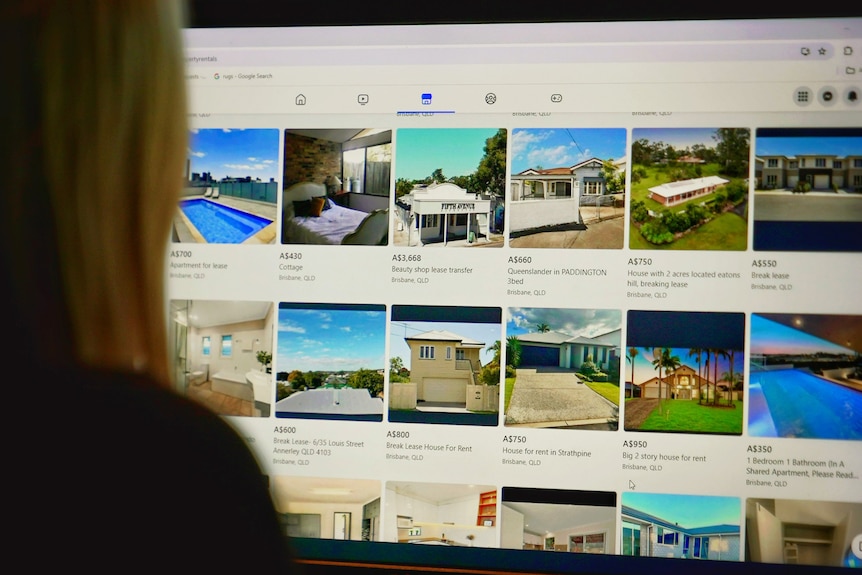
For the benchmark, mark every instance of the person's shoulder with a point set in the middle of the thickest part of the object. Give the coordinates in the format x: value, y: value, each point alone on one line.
x: 136, y: 464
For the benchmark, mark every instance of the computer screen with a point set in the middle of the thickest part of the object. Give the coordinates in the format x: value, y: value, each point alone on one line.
x: 562, y: 296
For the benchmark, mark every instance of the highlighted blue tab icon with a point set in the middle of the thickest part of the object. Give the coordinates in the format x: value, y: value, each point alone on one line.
x: 426, y: 99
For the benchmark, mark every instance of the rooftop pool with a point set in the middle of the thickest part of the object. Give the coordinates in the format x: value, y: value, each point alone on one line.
x: 796, y: 403
x: 220, y: 224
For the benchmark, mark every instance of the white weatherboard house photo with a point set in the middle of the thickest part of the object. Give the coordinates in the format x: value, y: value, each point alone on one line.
x: 675, y: 193
x: 443, y: 212
x: 553, y: 196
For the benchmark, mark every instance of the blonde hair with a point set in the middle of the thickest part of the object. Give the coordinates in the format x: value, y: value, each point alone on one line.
x: 110, y: 140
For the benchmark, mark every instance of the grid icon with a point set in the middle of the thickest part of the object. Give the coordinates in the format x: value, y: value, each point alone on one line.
x: 802, y: 96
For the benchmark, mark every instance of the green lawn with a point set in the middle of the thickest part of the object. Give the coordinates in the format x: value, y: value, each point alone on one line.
x: 507, y: 393
x: 727, y: 232
x: 609, y: 391
x: 684, y: 415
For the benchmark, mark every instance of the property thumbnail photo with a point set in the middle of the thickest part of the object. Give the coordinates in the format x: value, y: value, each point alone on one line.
x: 330, y: 361
x: 685, y: 372
x: 450, y: 187
x: 336, y: 187
x: 805, y: 376
x: 567, y: 188
x: 444, y: 364
x: 222, y: 354
x: 328, y: 508
x: 689, y: 189
x: 681, y: 526
x: 803, y: 532
x: 808, y: 189
x: 562, y: 368
x: 231, y: 188
x: 441, y: 514
x: 558, y: 520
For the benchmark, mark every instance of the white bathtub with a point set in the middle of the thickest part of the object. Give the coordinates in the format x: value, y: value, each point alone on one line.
x: 233, y: 384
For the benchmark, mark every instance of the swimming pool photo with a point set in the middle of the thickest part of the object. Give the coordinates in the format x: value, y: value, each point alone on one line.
x: 797, y: 403
x: 805, y: 376
x: 220, y: 224
x: 230, y: 194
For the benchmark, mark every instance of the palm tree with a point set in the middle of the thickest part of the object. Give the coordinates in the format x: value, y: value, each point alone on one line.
x: 663, y: 360
x: 671, y: 362
x: 497, y: 348
x: 730, y: 354
x: 513, y: 351
x: 716, y: 354
x: 633, y: 353
x: 734, y: 380
x: 543, y: 327
x: 697, y: 352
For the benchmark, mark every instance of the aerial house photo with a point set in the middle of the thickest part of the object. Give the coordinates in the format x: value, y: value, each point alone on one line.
x: 562, y: 368
x: 806, y: 376
x: 230, y: 192
x: 450, y: 187
x: 689, y: 189
x: 336, y: 186
x: 329, y: 361
x: 567, y: 188
x: 684, y: 372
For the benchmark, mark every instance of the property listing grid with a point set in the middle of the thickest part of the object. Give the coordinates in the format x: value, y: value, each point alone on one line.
x: 623, y: 340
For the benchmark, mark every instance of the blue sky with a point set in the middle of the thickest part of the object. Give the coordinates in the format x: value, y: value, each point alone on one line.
x: 563, y: 147
x: 645, y: 370
x: 318, y: 338
x: 574, y: 322
x: 770, y: 338
x: 687, y: 510
x: 488, y: 333
x: 793, y: 146
x: 679, y: 138
x: 235, y: 153
x: 457, y: 151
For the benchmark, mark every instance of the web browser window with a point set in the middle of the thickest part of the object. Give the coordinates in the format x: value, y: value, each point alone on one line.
x: 560, y: 296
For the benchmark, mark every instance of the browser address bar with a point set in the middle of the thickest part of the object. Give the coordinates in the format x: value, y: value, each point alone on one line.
x: 405, y: 55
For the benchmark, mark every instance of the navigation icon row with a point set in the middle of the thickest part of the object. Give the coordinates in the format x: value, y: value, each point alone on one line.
x: 826, y: 96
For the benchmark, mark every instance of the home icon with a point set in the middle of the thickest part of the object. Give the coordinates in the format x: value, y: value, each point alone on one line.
x: 300, y: 100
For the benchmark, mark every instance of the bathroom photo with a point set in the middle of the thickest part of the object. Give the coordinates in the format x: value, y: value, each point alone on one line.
x: 222, y: 354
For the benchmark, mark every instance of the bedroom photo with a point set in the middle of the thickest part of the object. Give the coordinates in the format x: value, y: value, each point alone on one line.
x: 336, y: 186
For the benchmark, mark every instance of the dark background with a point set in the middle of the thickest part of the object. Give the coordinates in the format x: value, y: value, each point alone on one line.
x: 231, y: 13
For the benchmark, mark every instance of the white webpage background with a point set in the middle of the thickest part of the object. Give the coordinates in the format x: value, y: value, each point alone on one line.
x: 713, y: 75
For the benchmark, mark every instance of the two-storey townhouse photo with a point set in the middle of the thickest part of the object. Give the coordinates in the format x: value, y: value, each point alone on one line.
x: 808, y: 189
